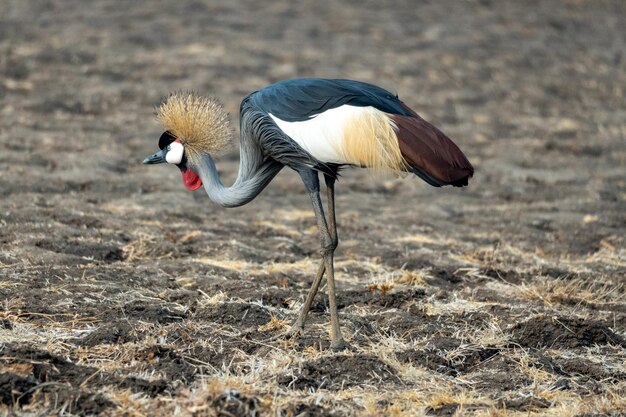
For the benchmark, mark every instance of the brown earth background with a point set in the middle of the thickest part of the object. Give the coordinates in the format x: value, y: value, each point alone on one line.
x: 121, y: 293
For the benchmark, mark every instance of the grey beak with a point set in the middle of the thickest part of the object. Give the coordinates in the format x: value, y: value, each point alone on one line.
x: 157, y: 158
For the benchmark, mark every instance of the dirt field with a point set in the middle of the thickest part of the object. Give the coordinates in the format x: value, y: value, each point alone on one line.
x: 121, y: 293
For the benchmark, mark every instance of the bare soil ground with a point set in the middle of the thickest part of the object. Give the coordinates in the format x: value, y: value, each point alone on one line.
x: 121, y: 293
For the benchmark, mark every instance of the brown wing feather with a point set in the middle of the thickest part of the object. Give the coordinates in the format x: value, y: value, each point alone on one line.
x: 432, y: 155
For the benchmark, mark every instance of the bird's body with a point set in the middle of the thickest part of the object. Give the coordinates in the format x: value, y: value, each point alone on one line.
x: 312, y: 126
x: 345, y: 122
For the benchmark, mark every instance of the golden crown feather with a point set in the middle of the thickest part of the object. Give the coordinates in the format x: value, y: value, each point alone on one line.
x: 200, y: 123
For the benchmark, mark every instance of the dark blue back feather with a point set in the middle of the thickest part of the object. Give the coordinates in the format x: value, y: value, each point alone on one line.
x: 299, y: 99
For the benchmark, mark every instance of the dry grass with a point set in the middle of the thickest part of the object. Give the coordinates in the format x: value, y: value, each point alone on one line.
x: 145, y: 246
x: 241, y: 372
x: 572, y: 291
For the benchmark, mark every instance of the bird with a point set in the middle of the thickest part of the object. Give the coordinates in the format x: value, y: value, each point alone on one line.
x: 316, y: 127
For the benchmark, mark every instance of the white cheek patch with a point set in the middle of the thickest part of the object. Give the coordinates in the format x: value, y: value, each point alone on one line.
x: 175, y: 154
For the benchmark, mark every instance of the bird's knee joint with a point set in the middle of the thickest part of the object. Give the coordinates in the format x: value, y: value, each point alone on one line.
x: 329, y: 248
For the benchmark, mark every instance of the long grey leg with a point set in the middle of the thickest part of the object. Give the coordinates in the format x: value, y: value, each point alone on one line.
x: 298, y: 325
x: 330, y: 196
x: 337, y: 342
x: 329, y: 244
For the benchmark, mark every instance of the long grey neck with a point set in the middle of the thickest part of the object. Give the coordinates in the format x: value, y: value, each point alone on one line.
x: 254, y: 175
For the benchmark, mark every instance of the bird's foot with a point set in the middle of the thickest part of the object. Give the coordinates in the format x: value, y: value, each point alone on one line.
x: 338, y: 345
x: 294, y: 331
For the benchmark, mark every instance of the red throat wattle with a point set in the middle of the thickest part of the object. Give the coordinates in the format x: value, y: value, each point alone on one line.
x: 191, y: 180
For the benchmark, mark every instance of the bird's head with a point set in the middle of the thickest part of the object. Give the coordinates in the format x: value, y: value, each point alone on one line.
x: 194, y: 126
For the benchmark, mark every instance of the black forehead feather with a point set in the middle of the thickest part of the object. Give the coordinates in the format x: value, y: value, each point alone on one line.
x: 165, y: 139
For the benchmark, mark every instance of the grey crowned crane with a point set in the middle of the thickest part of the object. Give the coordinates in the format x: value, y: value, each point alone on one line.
x: 312, y: 126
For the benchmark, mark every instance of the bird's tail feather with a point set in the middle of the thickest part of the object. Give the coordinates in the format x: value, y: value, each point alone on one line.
x: 430, y: 154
